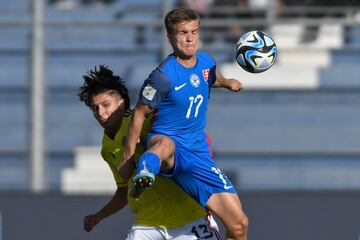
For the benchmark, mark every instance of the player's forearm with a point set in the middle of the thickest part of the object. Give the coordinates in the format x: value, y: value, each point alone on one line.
x: 134, y: 130
x: 116, y: 203
x: 228, y: 83
x: 126, y: 169
x: 221, y: 81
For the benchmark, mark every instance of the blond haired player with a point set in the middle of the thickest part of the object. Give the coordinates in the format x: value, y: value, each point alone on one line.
x: 163, y: 212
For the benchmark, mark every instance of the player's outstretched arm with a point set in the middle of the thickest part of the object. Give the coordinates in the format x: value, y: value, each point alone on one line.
x: 126, y: 169
x: 137, y: 120
x: 117, y: 202
x: 228, y: 83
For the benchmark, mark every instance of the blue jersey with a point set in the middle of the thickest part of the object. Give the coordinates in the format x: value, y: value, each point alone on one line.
x: 179, y: 96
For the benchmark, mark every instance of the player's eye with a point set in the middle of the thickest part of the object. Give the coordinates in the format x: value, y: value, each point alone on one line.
x: 106, y: 104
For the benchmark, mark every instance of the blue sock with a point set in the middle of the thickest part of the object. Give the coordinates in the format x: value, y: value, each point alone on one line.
x: 150, y: 161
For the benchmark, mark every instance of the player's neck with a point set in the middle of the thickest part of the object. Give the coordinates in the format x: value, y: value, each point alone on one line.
x: 112, y: 131
x: 187, y: 62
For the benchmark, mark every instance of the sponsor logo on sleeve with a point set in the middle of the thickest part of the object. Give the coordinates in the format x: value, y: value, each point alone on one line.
x: 149, y: 92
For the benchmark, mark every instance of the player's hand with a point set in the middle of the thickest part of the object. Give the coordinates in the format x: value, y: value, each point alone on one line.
x: 234, y: 85
x: 90, y: 222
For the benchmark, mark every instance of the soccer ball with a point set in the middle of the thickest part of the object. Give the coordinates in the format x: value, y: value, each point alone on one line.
x: 255, y: 52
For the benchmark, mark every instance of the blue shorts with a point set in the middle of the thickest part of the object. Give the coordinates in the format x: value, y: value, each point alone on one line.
x: 196, y: 173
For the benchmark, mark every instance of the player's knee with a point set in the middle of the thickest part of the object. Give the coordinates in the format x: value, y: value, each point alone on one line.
x: 161, y: 143
x: 164, y: 147
x: 166, y: 144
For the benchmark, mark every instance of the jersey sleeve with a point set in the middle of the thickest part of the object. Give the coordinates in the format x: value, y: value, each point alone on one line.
x: 155, y: 88
x: 212, y: 75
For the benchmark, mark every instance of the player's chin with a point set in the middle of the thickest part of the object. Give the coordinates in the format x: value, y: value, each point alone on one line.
x: 87, y: 228
x: 189, y: 53
x: 102, y: 124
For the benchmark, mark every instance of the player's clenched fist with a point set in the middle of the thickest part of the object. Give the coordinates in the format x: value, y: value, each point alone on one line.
x: 89, y: 222
x: 235, y: 85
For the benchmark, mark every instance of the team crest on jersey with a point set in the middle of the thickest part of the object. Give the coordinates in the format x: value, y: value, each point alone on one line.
x: 206, y: 73
x: 149, y: 92
x: 194, y: 80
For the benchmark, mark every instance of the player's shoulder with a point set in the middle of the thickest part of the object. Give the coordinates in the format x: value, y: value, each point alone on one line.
x: 170, y: 59
x: 157, y: 73
x: 159, y: 77
x: 124, y: 123
x: 168, y: 65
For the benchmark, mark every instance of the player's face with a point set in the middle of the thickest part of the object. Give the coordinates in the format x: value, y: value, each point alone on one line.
x: 185, y: 40
x: 107, y: 108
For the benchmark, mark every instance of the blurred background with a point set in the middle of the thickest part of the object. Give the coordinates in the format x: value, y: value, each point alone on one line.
x: 290, y: 141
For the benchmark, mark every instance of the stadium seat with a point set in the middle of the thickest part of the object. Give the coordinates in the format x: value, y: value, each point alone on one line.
x: 89, y: 175
x: 275, y: 78
x: 78, y: 123
x: 15, y: 39
x: 96, y: 38
x: 330, y: 36
x: 14, y: 122
x: 353, y: 37
x: 15, y: 4
x: 341, y: 76
x: 14, y: 70
x: 287, y: 35
x: 66, y: 70
x: 278, y: 121
x: 137, y: 74
x: 344, y: 56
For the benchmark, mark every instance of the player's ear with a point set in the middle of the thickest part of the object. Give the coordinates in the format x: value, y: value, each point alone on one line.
x: 121, y: 102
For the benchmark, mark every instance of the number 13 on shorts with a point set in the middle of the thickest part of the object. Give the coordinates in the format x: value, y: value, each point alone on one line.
x: 222, y: 177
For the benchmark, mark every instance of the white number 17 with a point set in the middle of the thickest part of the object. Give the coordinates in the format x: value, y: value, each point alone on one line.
x: 197, y: 101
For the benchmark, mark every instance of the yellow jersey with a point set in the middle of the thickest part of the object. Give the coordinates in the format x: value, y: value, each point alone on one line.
x: 165, y: 204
